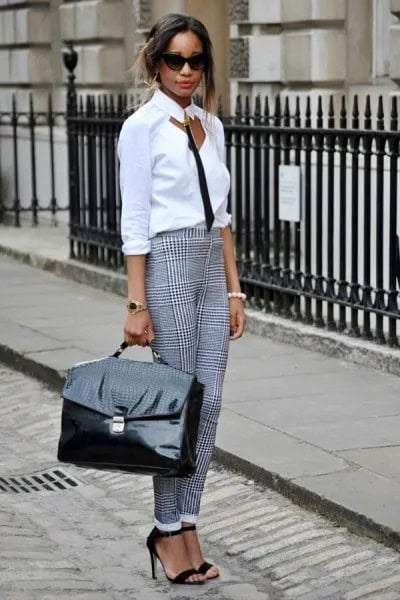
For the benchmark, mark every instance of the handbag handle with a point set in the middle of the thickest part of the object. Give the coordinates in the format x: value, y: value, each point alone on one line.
x: 123, y: 346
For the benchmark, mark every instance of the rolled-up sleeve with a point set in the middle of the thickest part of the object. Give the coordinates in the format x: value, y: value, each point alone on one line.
x: 135, y: 184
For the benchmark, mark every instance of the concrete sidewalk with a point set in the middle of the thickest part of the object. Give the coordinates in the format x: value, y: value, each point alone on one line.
x: 322, y: 431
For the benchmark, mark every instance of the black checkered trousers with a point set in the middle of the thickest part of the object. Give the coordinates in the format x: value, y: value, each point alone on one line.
x: 187, y: 299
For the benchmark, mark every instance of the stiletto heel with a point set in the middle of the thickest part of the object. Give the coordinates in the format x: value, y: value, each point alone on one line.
x: 205, y: 566
x: 153, y: 561
x: 181, y: 578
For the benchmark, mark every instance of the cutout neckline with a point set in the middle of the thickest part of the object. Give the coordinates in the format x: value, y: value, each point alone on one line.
x: 180, y: 125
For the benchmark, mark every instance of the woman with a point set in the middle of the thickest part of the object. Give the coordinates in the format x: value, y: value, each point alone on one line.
x: 184, y: 296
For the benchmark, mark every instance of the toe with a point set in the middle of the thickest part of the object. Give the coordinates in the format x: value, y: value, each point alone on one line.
x: 212, y: 573
x: 197, y: 578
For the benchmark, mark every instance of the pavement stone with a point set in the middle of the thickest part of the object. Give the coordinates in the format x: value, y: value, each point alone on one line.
x: 88, y: 541
x: 300, y: 409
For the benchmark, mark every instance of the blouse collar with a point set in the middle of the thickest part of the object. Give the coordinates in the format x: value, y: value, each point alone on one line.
x: 171, y: 107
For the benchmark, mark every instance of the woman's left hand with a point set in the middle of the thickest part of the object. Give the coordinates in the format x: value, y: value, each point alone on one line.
x: 237, y: 318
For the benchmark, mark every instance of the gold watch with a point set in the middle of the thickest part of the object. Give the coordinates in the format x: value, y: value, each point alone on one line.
x: 134, y: 306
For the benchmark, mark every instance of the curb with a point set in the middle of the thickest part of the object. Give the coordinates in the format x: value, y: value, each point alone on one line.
x: 355, y: 350
x: 16, y: 360
x: 336, y: 513
x: 355, y: 522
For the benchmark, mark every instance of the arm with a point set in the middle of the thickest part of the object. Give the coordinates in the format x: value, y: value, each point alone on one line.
x: 135, y: 181
x: 236, y: 305
x: 138, y: 328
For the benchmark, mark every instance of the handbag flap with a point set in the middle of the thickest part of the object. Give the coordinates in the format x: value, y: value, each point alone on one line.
x: 128, y: 388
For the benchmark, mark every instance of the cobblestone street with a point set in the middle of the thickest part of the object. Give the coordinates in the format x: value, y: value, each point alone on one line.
x: 82, y: 532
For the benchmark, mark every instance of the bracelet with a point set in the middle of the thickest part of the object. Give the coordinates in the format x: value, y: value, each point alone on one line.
x: 237, y: 295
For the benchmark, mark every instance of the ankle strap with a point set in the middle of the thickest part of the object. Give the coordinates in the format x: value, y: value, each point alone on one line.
x: 161, y: 533
x: 189, y: 528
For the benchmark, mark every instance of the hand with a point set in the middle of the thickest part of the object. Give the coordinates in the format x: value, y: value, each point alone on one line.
x: 138, y: 329
x: 237, y: 318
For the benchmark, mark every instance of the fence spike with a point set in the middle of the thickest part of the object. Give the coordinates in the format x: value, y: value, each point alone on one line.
x: 247, y: 110
x: 343, y: 113
x: 308, y: 112
x: 367, y: 113
x: 278, y: 111
x: 355, y: 106
x: 380, y: 114
x: 238, y: 107
x: 286, y: 110
x: 331, y: 110
x: 257, y: 106
x: 320, y: 113
x: 297, y: 112
x: 356, y: 112
x: 331, y: 113
x: 394, y: 115
x: 266, y: 108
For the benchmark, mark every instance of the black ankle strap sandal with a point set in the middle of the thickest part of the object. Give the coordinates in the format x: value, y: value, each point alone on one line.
x: 151, y: 545
x: 205, y: 566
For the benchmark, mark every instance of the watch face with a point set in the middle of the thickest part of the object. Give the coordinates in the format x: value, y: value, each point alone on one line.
x: 132, y: 306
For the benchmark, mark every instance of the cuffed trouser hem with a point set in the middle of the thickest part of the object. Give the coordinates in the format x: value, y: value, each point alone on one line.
x: 168, y: 526
x: 189, y: 518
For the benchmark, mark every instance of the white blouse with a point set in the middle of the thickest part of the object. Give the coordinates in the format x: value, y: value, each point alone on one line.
x: 158, y: 175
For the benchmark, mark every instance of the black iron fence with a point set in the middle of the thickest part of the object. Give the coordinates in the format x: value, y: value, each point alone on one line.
x: 340, y: 262
x: 28, y: 158
x: 93, y: 127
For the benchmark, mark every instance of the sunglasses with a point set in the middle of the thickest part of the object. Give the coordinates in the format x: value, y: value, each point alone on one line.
x: 176, y: 62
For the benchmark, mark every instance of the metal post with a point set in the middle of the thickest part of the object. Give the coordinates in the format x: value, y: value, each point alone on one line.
x: 70, y: 59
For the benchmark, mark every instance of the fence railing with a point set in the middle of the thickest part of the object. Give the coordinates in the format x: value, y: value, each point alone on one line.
x: 28, y: 158
x: 342, y: 259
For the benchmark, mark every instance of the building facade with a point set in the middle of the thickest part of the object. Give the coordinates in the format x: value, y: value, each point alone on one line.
x: 261, y: 46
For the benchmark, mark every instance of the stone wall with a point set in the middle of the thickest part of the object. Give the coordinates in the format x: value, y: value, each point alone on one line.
x: 327, y: 47
x: 32, y: 35
x: 262, y: 46
x: 25, y: 46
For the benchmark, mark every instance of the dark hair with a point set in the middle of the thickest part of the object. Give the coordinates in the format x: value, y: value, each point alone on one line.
x: 157, y: 41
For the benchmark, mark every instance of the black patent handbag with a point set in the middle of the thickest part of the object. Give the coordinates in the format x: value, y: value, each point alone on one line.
x: 128, y: 415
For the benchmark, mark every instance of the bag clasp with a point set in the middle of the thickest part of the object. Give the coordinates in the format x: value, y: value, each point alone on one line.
x: 118, y: 425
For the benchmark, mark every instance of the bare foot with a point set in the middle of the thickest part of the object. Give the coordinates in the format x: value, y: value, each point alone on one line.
x: 194, y: 552
x: 174, y: 557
